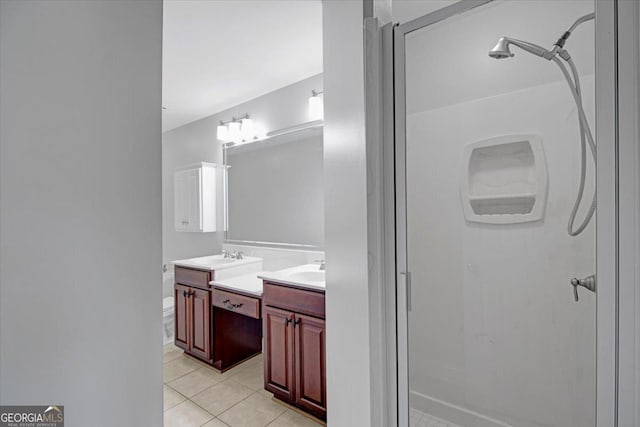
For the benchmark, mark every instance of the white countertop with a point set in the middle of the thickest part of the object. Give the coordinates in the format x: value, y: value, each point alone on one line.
x: 216, y: 262
x: 247, y: 283
x: 304, y: 276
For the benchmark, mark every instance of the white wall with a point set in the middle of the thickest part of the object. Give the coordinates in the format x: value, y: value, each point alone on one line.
x: 495, y: 336
x: 406, y: 10
x: 80, y: 312
x: 347, y: 303
x: 196, y: 142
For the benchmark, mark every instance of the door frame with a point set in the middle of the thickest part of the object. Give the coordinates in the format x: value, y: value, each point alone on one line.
x: 607, y: 232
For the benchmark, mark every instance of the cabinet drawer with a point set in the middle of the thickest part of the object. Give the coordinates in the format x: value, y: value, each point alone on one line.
x: 294, y: 299
x: 187, y: 276
x: 240, y: 304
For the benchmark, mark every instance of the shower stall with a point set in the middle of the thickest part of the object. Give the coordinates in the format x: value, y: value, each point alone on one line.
x: 499, y: 269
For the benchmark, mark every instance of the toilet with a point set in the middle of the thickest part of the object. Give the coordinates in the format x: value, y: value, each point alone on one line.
x: 167, y: 320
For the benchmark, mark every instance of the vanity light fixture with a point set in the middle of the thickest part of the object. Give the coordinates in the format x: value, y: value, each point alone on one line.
x: 316, y: 107
x: 237, y: 130
x: 223, y: 132
x: 246, y: 129
x: 234, y: 131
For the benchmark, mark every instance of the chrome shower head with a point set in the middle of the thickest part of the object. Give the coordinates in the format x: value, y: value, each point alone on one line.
x: 501, y: 49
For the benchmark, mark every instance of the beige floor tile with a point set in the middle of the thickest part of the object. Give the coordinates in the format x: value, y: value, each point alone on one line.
x: 235, y: 370
x: 256, y: 360
x: 222, y: 396
x: 252, y: 377
x: 196, y: 381
x: 171, y: 397
x: 215, y: 423
x: 186, y: 414
x: 169, y: 347
x: 254, y: 411
x: 178, y: 367
x: 265, y: 393
x: 171, y: 352
x: 294, y: 419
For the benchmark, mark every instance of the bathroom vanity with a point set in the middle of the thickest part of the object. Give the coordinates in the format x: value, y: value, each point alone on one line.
x: 294, y: 337
x: 219, y: 326
x: 224, y: 308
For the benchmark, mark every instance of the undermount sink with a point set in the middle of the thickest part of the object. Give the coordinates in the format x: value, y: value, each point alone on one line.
x: 311, y: 276
x: 212, y: 260
x: 223, y: 266
x: 306, y: 276
x: 225, y: 260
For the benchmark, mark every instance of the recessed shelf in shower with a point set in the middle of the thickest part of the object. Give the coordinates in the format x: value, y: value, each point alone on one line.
x: 504, y: 180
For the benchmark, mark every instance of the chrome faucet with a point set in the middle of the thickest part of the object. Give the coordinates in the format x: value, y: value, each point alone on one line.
x: 323, y: 264
x: 232, y: 254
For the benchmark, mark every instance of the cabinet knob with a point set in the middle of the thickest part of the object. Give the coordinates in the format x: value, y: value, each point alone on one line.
x: 296, y: 322
x: 287, y: 321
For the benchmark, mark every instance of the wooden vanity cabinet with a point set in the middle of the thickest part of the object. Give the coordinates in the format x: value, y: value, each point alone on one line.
x: 200, y: 324
x: 294, y: 346
x: 279, y: 353
x: 310, y: 364
x: 237, y: 335
x: 192, y: 312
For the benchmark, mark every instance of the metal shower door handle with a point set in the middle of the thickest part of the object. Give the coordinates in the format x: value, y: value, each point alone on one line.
x: 588, y: 282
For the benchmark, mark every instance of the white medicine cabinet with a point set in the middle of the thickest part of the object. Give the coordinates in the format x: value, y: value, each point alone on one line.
x: 195, y: 198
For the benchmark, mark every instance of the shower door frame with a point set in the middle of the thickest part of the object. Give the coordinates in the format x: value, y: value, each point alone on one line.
x: 607, y: 233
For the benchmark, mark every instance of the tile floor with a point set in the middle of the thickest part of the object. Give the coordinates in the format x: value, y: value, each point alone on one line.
x: 421, y: 419
x: 198, y: 395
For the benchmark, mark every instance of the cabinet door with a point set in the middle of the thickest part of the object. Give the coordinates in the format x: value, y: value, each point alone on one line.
x: 194, y: 197
x: 278, y: 352
x: 181, y: 195
x: 181, y: 313
x: 311, y: 392
x: 200, y: 324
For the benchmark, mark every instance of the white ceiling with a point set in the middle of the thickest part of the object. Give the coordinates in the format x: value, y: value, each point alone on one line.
x: 217, y: 53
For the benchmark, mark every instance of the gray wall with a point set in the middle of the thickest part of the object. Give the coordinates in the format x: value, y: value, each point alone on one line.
x: 185, y: 145
x: 80, y: 253
x: 196, y: 142
x: 346, y: 244
x: 276, y: 192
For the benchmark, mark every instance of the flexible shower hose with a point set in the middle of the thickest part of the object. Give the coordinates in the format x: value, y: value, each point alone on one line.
x: 585, y: 133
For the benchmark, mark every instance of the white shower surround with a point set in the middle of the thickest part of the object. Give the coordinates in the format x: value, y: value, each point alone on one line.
x: 507, y: 345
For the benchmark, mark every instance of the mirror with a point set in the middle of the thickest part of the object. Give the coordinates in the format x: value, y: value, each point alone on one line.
x: 274, y: 189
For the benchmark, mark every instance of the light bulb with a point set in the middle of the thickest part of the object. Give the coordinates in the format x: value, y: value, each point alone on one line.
x: 316, y: 108
x: 234, y: 132
x: 222, y: 133
x: 259, y: 131
x: 246, y: 129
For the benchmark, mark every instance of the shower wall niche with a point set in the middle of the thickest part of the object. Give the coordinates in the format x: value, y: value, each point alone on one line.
x: 504, y: 180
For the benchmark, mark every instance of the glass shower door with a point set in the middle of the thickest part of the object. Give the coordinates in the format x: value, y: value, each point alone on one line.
x: 489, y: 167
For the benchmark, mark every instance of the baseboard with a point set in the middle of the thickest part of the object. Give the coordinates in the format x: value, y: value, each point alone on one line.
x: 452, y: 413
